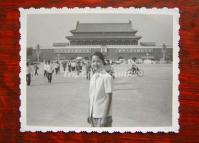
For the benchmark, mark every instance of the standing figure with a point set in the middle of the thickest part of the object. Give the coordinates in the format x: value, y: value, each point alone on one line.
x: 100, y: 94
x: 69, y: 66
x: 28, y: 73
x: 64, y: 65
x: 36, y: 69
x: 73, y: 65
x: 88, y: 70
x: 45, y: 68
x: 78, y: 67
x: 50, y: 70
x: 56, y: 67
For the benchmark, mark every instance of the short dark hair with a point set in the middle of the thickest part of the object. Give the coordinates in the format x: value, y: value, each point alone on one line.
x: 100, y: 55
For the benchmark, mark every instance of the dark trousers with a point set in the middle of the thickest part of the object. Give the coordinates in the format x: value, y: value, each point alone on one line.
x: 69, y: 68
x: 56, y: 70
x: 28, y: 78
x: 49, y: 77
x: 45, y: 73
x: 36, y: 72
x: 88, y: 75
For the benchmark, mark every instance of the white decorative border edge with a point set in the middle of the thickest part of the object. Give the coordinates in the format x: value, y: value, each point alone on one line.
x: 175, y: 108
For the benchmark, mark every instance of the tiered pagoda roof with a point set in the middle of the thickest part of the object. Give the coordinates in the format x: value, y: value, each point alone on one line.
x: 103, y: 31
x: 103, y: 27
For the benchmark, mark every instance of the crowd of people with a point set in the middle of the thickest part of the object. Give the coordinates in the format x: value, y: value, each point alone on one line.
x: 51, y: 68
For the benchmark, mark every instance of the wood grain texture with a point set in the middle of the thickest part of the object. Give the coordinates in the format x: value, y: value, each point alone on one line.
x: 9, y: 75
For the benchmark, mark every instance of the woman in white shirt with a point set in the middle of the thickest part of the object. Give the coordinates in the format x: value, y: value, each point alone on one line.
x: 100, y: 94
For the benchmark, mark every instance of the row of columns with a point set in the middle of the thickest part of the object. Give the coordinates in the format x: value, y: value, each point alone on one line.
x: 104, y: 42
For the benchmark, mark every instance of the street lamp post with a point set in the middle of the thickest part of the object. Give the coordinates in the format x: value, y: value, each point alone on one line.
x: 58, y: 57
x: 90, y: 50
x: 147, y: 56
x: 164, y: 51
x: 38, y: 52
x: 104, y: 50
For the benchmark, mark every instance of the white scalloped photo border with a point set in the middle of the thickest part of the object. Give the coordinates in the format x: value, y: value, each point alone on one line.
x: 175, y: 91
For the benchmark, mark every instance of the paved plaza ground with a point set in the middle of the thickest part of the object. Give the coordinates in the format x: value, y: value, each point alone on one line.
x: 137, y: 101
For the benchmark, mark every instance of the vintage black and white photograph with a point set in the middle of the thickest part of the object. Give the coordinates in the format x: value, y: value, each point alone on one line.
x: 99, y: 69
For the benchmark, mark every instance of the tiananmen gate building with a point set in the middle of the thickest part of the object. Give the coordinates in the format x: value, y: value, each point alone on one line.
x: 114, y: 40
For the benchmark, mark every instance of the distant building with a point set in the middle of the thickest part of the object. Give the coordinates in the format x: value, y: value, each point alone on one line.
x: 114, y: 40
x: 147, y: 44
x: 104, y: 34
x: 60, y: 44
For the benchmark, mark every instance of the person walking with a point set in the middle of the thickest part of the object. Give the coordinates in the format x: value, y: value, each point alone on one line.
x: 73, y: 66
x: 36, y: 69
x: 69, y: 66
x: 45, y: 69
x: 100, y: 94
x: 59, y: 69
x: 28, y: 73
x: 88, y: 70
x: 50, y: 70
x: 64, y: 65
x: 56, y: 67
x: 78, y: 67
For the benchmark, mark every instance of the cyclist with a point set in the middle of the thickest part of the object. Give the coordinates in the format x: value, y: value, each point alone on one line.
x: 134, y: 68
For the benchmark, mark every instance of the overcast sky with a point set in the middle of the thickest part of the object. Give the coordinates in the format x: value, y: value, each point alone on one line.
x: 45, y: 29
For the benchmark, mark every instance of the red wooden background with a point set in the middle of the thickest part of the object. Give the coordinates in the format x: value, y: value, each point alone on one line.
x: 9, y: 75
